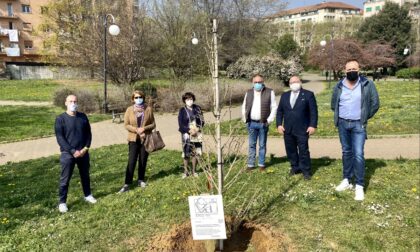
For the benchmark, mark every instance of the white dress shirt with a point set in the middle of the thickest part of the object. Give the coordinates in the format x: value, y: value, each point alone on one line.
x: 256, y: 108
x: 292, y: 96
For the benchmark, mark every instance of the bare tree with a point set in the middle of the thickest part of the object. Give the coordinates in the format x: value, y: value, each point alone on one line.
x: 74, y: 31
x: 334, y: 55
x: 378, y: 54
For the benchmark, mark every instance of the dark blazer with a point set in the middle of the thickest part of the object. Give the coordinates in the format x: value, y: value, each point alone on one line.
x: 303, y: 115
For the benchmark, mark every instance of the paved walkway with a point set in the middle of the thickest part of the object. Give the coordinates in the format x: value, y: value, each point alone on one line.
x: 24, y: 103
x: 107, y: 133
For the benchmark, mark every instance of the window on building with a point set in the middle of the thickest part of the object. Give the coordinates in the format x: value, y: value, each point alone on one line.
x: 292, y: 22
x: 44, y: 10
x: 11, y: 26
x: 378, y: 8
x: 14, y: 45
x: 9, y: 10
x: 27, y: 26
x: 368, y: 9
x: 26, y: 8
x: 1, y: 47
x: 46, y: 45
x: 28, y: 44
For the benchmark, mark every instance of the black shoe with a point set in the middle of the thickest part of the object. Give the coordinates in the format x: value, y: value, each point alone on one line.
x: 307, y: 177
x: 124, y: 189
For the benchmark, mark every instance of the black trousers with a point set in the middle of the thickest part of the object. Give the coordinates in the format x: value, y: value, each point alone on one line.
x: 136, y: 151
x: 67, y: 166
x: 297, y: 150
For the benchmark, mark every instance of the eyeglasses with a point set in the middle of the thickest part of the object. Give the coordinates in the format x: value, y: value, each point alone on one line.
x: 137, y: 97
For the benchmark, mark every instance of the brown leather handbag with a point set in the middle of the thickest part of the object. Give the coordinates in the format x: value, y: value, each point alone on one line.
x: 153, y: 142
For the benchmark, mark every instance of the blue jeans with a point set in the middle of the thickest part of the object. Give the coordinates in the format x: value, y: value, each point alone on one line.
x: 352, y: 137
x: 256, y: 131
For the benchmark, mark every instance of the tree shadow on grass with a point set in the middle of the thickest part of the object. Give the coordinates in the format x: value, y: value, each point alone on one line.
x: 372, y: 165
x: 319, y: 163
x: 277, y: 200
x: 174, y: 170
x: 276, y: 160
x: 316, y: 164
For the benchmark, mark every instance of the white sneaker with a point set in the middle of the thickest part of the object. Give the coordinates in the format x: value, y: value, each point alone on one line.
x: 142, y: 184
x: 62, y: 207
x: 195, y: 174
x: 360, y: 194
x: 90, y: 199
x: 184, y: 175
x: 344, y: 185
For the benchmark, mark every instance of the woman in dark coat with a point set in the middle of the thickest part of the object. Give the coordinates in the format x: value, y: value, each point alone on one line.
x: 190, y: 121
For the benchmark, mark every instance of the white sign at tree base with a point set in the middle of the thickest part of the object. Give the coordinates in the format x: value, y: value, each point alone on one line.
x: 207, y: 217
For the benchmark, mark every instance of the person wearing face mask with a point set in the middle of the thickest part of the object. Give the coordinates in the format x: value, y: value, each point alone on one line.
x: 190, y: 122
x: 297, y: 119
x: 354, y: 101
x: 258, y: 111
x: 73, y: 133
x: 138, y: 121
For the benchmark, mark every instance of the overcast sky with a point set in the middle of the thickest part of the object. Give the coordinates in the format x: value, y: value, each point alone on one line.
x: 300, y: 3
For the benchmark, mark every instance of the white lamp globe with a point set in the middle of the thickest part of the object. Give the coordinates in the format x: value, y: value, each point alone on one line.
x: 323, y: 43
x: 114, y: 30
x: 194, y: 41
x: 406, y: 50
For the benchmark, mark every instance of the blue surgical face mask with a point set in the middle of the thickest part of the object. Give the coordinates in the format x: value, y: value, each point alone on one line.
x: 258, y: 86
x: 138, y: 101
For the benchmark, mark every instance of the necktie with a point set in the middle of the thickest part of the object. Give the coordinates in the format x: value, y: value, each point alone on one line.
x: 294, y: 98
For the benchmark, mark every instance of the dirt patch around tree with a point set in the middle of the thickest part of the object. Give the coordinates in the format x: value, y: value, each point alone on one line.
x: 242, y: 236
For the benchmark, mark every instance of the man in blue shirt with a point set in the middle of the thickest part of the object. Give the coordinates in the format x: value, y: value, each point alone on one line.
x: 354, y: 101
x: 74, y: 136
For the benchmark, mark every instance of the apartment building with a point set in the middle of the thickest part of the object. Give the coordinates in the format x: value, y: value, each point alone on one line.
x: 19, y: 20
x: 318, y: 13
x: 372, y: 7
x: 302, y: 21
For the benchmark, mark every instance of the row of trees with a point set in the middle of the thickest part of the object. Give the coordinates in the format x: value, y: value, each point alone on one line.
x: 155, y: 35
x: 378, y: 42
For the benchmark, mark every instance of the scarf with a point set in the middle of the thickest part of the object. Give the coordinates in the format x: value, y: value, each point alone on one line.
x: 139, y: 110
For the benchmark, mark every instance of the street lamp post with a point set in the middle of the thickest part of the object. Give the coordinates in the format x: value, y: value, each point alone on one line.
x: 114, y: 30
x: 194, y: 42
x: 407, y: 51
x: 323, y: 43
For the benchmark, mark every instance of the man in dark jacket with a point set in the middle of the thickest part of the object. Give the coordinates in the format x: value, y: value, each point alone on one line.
x: 297, y: 119
x: 354, y: 101
x: 72, y: 130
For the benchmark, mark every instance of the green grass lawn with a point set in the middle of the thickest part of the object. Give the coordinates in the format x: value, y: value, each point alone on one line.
x: 42, y: 90
x: 311, y: 214
x: 22, y: 122
x: 24, y: 90
x: 399, y: 112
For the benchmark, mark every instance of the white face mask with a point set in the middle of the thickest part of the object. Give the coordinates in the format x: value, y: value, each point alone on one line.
x: 72, y: 107
x: 138, y: 101
x: 295, y: 86
x: 189, y: 103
